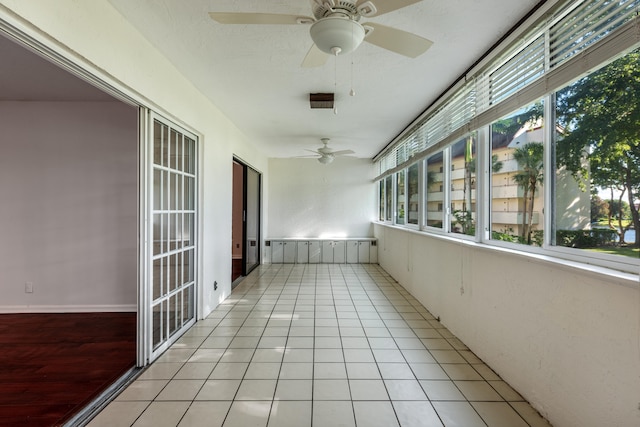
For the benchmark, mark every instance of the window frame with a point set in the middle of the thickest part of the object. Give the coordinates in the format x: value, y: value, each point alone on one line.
x: 613, y: 42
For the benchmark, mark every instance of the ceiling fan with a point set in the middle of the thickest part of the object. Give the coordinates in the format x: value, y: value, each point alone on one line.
x: 326, y: 154
x: 336, y: 28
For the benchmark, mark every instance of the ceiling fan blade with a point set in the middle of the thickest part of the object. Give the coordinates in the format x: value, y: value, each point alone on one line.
x: 398, y: 41
x: 343, y: 152
x: 259, y: 18
x: 386, y: 6
x: 314, y: 151
x: 315, y: 58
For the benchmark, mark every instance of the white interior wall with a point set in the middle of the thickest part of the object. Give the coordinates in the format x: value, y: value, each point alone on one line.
x: 567, y: 339
x: 94, y: 35
x: 68, y: 215
x: 308, y: 199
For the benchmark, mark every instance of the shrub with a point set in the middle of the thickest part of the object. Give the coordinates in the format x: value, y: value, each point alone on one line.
x: 586, y: 238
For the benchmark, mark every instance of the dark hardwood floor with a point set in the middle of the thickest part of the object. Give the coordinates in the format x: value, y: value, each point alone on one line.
x: 52, y: 365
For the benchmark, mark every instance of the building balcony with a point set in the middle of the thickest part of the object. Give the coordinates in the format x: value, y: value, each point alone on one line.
x: 507, y: 192
x: 435, y: 197
x: 512, y: 218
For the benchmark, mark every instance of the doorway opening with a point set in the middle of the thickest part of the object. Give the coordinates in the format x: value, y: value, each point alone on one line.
x: 245, y: 236
x: 69, y: 186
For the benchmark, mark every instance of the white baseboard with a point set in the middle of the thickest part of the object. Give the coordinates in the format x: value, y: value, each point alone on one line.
x: 120, y: 308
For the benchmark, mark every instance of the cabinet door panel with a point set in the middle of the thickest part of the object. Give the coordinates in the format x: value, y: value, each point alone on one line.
x: 373, y: 252
x: 302, y: 255
x: 315, y: 252
x: 364, y: 252
x: 339, y: 254
x: 289, y: 252
x: 327, y: 252
x: 277, y: 252
x: 352, y: 251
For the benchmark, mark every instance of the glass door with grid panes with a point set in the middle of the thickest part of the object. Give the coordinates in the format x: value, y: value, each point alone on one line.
x: 173, y: 210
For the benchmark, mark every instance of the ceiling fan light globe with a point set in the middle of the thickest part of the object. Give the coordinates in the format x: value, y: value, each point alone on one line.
x: 337, y: 32
x: 325, y: 160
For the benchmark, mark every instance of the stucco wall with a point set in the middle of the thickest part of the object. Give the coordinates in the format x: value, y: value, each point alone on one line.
x: 308, y: 199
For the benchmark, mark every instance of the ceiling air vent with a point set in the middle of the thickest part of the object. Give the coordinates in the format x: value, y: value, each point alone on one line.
x: 321, y: 100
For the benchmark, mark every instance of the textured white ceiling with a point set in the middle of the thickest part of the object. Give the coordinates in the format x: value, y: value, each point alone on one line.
x: 253, y: 74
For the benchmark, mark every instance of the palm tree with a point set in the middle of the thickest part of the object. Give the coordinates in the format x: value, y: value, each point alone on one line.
x: 530, y: 164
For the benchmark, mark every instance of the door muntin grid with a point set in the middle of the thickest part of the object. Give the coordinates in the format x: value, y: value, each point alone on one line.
x: 173, y: 233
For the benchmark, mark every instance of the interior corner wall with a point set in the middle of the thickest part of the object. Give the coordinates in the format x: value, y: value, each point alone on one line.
x: 568, y: 340
x: 68, y: 210
x: 309, y: 199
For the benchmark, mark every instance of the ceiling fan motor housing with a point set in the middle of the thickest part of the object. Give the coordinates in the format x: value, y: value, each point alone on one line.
x: 337, y: 30
x: 324, y: 8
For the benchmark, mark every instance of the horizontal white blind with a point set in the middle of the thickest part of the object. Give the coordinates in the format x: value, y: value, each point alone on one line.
x: 585, y: 25
x: 529, y: 69
x: 521, y: 70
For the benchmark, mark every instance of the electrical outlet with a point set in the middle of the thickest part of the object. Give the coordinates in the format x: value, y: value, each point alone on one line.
x: 28, y: 288
x: 215, y: 286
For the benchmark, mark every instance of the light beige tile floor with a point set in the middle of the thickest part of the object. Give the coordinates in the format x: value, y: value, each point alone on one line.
x: 319, y: 345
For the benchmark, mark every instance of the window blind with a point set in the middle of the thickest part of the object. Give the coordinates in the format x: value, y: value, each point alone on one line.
x: 579, y: 36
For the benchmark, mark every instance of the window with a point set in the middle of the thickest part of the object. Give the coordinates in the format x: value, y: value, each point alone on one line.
x: 517, y: 170
x: 597, y: 148
x: 463, y: 179
x: 435, y: 196
x: 570, y: 190
x: 400, y: 197
x: 381, y: 200
x: 388, y: 197
x: 413, y: 196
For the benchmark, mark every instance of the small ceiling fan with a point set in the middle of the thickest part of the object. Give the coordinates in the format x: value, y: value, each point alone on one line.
x: 326, y: 154
x: 336, y: 28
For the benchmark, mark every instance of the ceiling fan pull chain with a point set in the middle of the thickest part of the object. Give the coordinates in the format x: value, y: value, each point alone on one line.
x: 352, y: 92
x: 335, y: 81
x: 335, y: 78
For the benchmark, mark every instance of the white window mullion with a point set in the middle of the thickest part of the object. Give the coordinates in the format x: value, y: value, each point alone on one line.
x: 422, y: 191
x: 446, y: 190
x: 549, y: 171
x: 483, y: 184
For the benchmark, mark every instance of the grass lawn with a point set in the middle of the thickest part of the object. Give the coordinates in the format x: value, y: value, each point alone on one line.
x: 614, y: 222
x: 622, y: 250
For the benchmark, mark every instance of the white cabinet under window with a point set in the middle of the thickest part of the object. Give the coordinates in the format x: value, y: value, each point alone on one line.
x: 277, y: 252
x: 352, y: 251
x: 289, y: 256
x: 333, y: 252
x: 364, y: 251
x: 327, y: 252
x: 373, y: 251
x: 302, y: 253
x: 339, y: 252
x: 314, y: 251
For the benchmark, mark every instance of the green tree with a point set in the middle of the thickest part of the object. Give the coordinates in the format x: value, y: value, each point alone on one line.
x: 465, y: 216
x: 599, y: 118
x: 620, y: 209
x: 511, y: 125
x: 529, y: 176
x: 599, y: 208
